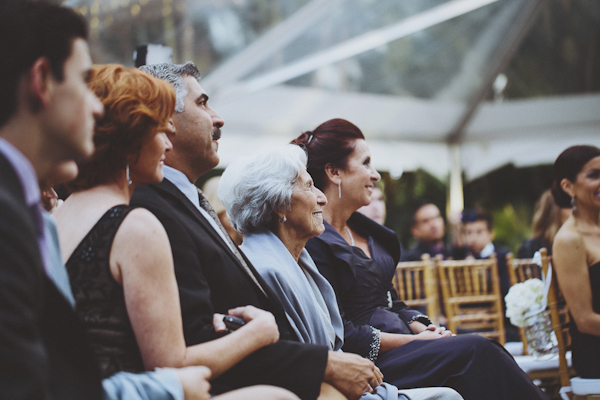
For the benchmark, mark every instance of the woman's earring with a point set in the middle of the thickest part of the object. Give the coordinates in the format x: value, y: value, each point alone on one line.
x: 127, y: 173
x: 282, y: 219
x: 340, y: 190
x: 574, y: 205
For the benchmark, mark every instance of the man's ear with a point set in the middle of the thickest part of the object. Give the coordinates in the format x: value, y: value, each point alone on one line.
x: 493, y: 234
x: 333, y: 174
x: 567, y: 186
x: 41, y: 84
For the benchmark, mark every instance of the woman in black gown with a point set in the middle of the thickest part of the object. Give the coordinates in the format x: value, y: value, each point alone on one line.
x: 358, y: 257
x: 576, y: 255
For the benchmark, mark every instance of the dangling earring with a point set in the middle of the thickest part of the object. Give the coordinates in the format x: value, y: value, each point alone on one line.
x: 340, y: 190
x: 282, y: 219
x: 127, y: 174
x: 574, y: 205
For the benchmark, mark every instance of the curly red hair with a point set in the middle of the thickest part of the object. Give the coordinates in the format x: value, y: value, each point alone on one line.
x: 136, y: 106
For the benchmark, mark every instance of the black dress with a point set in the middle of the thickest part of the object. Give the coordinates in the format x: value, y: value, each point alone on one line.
x: 476, y: 367
x: 100, y: 300
x: 586, y: 348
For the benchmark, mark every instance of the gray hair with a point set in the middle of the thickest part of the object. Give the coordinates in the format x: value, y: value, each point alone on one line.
x: 174, y: 74
x: 253, y: 189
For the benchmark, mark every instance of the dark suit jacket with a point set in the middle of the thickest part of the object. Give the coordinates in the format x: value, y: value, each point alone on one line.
x: 415, y: 253
x: 211, y: 280
x: 43, y: 351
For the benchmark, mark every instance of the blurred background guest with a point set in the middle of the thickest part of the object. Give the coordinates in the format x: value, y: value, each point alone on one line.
x: 576, y: 251
x: 428, y: 227
x: 376, y: 210
x: 547, y: 219
x: 211, y: 191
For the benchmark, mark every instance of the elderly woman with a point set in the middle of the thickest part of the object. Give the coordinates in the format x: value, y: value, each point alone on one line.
x: 272, y: 200
x: 576, y: 256
x: 119, y: 257
x: 359, y: 257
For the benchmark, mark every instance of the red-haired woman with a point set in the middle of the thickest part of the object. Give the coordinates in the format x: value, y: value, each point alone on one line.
x: 119, y: 257
x: 576, y: 251
x: 359, y: 257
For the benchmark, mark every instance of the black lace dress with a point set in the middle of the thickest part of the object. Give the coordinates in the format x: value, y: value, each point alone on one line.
x: 585, y: 347
x: 100, y: 300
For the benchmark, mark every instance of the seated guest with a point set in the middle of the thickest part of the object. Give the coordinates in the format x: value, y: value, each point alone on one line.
x: 479, y: 232
x: 359, y: 257
x: 210, y: 190
x: 576, y: 255
x: 376, y: 209
x: 427, y: 226
x: 119, y: 258
x: 272, y: 200
x: 213, y: 275
x: 547, y: 219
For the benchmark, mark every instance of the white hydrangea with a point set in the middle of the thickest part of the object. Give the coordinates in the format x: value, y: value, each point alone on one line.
x: 523, y: 298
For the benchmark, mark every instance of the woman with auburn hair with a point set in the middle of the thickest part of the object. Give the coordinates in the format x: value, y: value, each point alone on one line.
x: 576, y: 251
x: 358, y: 257
x: 119, y: 257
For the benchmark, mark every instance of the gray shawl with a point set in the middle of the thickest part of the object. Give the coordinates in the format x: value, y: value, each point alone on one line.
x: 313, y: 314
x: 290, y: 281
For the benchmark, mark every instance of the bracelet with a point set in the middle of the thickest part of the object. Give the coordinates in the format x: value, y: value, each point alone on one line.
x: 422, y: 318
x: 375, y: 345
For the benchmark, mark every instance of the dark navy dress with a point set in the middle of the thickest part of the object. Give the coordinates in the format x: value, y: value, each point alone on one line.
x: 476, y: 367
x: 586, y: 348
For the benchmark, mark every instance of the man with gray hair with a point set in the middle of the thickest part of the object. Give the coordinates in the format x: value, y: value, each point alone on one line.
x: 214, y: 276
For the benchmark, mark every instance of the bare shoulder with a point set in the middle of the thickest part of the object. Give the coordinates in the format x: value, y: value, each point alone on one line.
x: 142, y: 227
x: 567, y: 237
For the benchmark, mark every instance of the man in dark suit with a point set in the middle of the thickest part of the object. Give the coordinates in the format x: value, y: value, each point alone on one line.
x: 479, y: 232
x: 46, y: 116
x: 212, y: 275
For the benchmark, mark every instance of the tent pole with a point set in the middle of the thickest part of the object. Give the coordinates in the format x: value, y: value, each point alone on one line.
x: 456, y: 201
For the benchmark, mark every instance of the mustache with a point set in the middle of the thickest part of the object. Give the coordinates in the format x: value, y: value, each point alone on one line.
x: 216, y: 134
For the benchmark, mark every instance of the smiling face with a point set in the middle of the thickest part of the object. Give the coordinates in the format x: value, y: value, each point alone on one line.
x: 586, y: 188
x: 197, y: 131
x: 306, y: 209
x: 359, y: 176
x: 73, y: 107
x: 147, y: 167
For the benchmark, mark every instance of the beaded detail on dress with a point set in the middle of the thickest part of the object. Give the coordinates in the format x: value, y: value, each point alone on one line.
x: 100, y: 300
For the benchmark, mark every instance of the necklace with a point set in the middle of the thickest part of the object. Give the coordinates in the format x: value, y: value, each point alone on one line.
x: 351, y: 237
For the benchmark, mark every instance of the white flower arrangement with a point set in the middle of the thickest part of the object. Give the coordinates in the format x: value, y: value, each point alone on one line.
x: 522, y: 299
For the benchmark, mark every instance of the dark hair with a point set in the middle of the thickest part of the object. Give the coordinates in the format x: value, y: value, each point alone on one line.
x: 568, y: 164
x: 136, y: 106
x: 477, y: 215
x: 30, y: 30
x: 415, y: 210
x: 330, y: 143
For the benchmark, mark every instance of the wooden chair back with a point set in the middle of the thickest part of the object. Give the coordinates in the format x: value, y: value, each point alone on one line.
x: 559, y: 315
x: 471, y: 296
x: 520, y: 270
x: 417, y: 285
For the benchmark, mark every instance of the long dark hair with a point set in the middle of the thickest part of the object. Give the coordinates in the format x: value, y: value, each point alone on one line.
x: 568, y: 164
x: 330, y: 143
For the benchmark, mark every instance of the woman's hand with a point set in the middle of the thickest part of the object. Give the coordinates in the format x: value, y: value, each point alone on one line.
x: 377, y: 378
x: 259, y: 322
x: 433, y: 332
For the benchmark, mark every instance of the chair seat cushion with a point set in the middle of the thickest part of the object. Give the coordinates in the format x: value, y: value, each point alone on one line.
x: 582, y: 386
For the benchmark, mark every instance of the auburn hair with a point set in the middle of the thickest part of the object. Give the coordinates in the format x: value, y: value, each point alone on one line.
x: 136, y: 106
x: 332, y: 142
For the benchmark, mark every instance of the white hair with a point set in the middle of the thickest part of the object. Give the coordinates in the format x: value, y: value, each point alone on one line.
x: 254, y: 189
